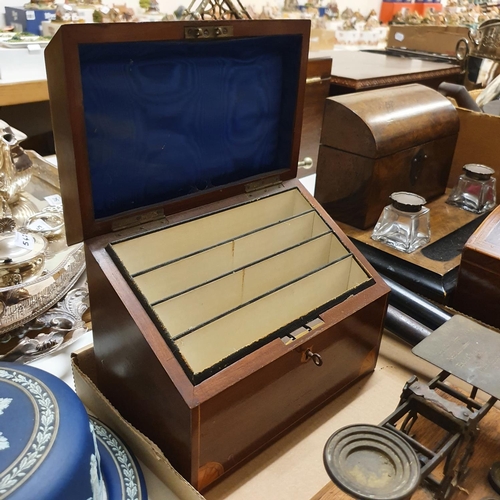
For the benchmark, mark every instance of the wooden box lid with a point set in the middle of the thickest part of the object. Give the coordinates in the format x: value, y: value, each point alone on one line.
x: 151, y: 119
x: 380, y: 122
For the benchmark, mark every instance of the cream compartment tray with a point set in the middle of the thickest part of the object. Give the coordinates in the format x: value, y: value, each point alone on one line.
x: 215, y: 286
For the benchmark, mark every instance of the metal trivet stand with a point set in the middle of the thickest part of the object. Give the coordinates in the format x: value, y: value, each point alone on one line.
x: 375, y: 462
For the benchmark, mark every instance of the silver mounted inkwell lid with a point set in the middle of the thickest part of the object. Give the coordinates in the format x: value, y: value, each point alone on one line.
x: 478, y: 172
x: 407, y: 202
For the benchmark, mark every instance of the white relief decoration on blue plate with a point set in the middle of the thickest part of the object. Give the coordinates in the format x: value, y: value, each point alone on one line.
x: 4, y: 404
x: 96, y: 480
x: 127, y: 466
x: 47, y: 424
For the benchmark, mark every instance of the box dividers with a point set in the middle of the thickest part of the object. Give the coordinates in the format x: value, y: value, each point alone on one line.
x: 236, y: 254
x: 260, y: 297
x: 314, y: 291
x: 224, y: 225
x: 232, y: 271
x: 318, y: 248
x: 204, y: 249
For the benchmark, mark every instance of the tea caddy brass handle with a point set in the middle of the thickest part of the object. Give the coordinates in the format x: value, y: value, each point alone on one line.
x: 317, y: 359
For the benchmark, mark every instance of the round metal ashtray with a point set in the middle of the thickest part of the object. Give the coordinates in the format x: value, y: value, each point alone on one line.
x: 18, y: 264
x: 371, y: 463
x: 407, y: 202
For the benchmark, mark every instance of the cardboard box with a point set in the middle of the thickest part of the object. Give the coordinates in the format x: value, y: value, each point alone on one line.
x: 432, y: 39
x: 29, y: 21
x: 84, y: 375
x: 477, y: 143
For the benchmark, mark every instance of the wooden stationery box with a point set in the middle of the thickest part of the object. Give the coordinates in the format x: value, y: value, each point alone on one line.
x: 226, y: 304
x: 377, y: 142
x: 478, y: 286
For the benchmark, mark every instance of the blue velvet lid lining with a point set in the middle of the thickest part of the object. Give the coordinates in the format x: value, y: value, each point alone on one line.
x: 167, y: 119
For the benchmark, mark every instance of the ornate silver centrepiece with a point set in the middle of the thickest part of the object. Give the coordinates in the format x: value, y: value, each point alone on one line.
x: 37, y: 268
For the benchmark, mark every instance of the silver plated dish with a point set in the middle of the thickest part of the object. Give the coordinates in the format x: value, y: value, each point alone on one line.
x: 18, y: 263
x: 62, y: 265
x: 486, y: 40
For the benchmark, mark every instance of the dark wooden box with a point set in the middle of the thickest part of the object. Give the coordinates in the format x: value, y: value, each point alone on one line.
x: 478, y: 287
x: 226, y: 304
x: 377, y: 142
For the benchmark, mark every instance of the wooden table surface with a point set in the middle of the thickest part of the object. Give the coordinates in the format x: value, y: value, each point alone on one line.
x: 24, y: 92
x: 364, y: 70
x: 353, y: 69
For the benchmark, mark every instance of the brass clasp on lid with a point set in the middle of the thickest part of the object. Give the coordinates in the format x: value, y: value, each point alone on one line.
x: 208, y: 32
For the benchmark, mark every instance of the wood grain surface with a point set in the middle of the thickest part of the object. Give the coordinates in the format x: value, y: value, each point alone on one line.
x: 316, y: 92
x: 23, y: 92
x: 364, y: 70
x: 478, y: 293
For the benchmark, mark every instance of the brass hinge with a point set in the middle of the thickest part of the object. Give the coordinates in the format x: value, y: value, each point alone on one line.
x: 207, y: 32
x: 263, y: 183
x: 137, y: 220
x: 313, y: 79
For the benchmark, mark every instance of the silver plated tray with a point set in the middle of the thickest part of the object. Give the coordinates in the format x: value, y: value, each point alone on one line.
x: 63, y: 265
x: 486, y: 40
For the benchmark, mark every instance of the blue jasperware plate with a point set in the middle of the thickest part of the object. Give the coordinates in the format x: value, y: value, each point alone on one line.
x: 122, y: 476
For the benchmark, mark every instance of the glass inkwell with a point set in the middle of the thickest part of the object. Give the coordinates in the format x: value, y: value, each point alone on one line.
x: 475, y: 190
x: 405, y: 223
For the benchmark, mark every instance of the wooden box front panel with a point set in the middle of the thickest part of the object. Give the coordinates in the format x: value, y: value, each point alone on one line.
x: 354, y: 189
x: 270, y: 400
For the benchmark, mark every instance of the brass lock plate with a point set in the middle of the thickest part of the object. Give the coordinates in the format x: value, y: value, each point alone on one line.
x: 207, y: 32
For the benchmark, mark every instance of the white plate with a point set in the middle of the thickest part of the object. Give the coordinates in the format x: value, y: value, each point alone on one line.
x: 22, y: 44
